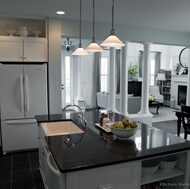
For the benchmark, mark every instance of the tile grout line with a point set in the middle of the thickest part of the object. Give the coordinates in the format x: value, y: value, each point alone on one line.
x: 11, y: 171
x: 31, y: 170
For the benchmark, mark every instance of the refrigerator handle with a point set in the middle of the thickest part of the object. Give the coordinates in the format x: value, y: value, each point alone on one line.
x: 21, y: 93
x: 26, y: 93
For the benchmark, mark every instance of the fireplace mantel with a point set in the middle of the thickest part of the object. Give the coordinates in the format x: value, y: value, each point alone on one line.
x: 175, y: 81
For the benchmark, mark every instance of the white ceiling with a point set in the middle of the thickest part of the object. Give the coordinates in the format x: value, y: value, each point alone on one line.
x: 171, y: 15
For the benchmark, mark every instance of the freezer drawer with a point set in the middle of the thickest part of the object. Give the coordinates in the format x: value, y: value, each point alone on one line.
x: 19, y: 135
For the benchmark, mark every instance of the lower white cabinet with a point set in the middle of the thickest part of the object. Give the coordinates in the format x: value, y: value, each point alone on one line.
x: 52, y: 177
x: 119, y: 176
x: 177, y: 177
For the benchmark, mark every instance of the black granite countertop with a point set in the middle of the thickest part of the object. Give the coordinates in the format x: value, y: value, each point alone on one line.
x: 97, y: 148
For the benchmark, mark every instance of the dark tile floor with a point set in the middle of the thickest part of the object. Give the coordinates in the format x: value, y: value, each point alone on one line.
x: 20, y: 171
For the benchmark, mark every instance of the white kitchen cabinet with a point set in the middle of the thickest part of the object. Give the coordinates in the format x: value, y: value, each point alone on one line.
x: 25, y: 49
x: 126, y: 175
x: 51, y: 176
x: 119, y: 176
x: 42, y: 161
x: 178, y: 175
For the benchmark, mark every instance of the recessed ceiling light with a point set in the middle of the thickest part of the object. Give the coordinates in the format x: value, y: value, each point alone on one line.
x: 60, y: 12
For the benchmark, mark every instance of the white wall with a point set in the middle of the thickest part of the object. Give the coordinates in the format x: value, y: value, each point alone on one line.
x: 126, y: 33
x: 54, y: 65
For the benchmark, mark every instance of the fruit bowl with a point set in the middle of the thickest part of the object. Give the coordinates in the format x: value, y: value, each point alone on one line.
x: 123, y: 131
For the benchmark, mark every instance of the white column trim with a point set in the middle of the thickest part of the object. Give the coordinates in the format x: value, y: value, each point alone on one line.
x: 145, y: 79
x: 188, y: 83
x: 124, y: 80
x: 112, y: 82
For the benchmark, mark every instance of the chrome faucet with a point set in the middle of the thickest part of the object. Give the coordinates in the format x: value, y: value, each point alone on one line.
x: 82, y: 121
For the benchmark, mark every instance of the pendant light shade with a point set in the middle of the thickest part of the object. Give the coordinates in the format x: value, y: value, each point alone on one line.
x: 94, y: 47
x: 112, y: 40
x: 80, y: 51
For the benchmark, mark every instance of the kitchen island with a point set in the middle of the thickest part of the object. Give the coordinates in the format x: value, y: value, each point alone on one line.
x: 98, y: 160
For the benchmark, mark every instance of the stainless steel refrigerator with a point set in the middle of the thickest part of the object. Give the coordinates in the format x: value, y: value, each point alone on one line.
x: 23, y: 94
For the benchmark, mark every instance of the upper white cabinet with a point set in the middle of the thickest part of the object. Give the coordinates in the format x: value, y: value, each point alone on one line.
x: 25, y: 49
x: 35, y: 49
x: 16, y: 46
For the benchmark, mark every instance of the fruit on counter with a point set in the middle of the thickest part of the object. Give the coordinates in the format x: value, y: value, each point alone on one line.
x: 119, y: 125
x: 133, y: 124
x: 125, y: 124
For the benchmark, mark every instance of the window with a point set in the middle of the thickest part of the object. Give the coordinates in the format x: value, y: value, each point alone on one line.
x: 67, y: 80
x: 104, y: 74
x: 152, y: 72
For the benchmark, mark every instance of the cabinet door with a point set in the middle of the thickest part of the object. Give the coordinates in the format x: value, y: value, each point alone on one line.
x: 42, y: 161
x: 120, y: 176
x: 35, y: 50
x: 11, y: 49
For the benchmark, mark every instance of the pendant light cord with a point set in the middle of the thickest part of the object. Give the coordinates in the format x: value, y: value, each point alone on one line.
x: 112, y: 30
x: 93, y: 37
x: 80, y: 45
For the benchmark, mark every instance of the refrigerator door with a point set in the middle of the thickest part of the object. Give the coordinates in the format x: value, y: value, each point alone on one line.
x: 35, y: 90
x: 12, y: 97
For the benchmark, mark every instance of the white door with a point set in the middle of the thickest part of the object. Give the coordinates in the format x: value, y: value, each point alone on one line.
x: 67, y: 81
x: 12, y: 99
x: 35, y: 90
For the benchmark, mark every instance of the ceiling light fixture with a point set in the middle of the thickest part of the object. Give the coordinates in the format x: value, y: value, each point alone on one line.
x: 112, y: 40
x: 60, y: 12
x: 80, y: 50
x: 94, y: 47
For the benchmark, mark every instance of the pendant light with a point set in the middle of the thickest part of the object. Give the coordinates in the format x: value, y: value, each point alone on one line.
x: 94, y: 47
x: 80, y: 50
x: 112, y: 40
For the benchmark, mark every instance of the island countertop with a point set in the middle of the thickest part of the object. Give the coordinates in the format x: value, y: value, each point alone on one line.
x: 96, y: 148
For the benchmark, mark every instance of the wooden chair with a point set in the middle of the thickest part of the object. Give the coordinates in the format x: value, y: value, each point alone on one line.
x: 185, y: 115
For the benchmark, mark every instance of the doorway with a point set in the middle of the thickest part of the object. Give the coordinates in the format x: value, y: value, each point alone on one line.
x: 66, y: 78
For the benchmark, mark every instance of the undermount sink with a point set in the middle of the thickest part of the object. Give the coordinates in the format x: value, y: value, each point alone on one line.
x: 61, y: 128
